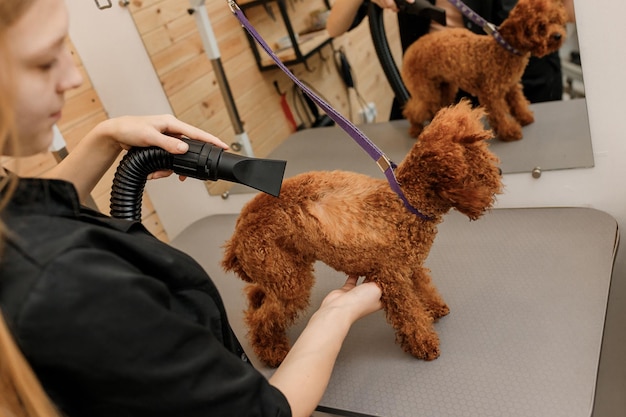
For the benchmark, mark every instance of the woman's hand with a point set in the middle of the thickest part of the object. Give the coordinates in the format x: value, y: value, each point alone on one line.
x: 388, y: 4
x: 343, y: 13
x: 358, y: 299
x: 163, y: 131
x: 305, y: 372
x: 97, y: 151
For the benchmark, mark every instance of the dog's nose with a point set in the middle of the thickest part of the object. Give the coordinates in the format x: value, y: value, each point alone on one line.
x: 500, y: 171
x: 557, y: 36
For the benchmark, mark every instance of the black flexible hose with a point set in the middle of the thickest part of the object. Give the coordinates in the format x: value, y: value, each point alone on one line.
x: 381, y: 46
x: 130, y: 180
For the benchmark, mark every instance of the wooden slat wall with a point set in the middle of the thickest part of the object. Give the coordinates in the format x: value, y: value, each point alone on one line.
x: 82, y: 111
x: 173, y: 42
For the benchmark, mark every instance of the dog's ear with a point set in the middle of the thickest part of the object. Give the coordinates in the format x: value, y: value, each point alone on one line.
x: 458, y: 123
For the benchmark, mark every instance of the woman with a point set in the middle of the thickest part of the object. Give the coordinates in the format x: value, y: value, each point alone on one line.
x: 113, y: 321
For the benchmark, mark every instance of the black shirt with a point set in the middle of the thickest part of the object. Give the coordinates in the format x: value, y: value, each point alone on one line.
x: 116, y: 322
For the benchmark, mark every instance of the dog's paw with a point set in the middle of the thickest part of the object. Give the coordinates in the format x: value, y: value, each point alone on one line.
x: 272, y: 356
x: 426, y: 349
x: 420, y: 345
x: 438, y: 311
x: 525, y: 119
x: 510, y: 134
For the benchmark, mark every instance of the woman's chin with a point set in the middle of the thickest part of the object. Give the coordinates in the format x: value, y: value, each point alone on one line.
x: 33, y: 144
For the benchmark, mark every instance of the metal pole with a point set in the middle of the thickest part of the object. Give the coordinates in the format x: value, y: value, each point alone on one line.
x: 198, y: 10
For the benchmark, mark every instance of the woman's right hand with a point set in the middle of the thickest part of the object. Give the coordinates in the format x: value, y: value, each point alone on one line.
x: 386, y: 4
x: 358, y: 300
x: 304, y: 374
x: 389, y: 4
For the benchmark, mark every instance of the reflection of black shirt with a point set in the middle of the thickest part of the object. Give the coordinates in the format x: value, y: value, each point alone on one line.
x: 117, y: 323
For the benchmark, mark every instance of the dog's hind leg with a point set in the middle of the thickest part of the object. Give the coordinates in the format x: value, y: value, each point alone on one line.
x: 426, y: 102
x: 428, y: 294
x: 272, y: 308
x: 408, y: 316
x: 416, y: 112
x: 519, y: 105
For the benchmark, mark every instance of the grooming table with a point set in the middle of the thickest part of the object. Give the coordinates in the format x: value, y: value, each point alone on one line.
x: 527, y: 289
x: 558, y: 139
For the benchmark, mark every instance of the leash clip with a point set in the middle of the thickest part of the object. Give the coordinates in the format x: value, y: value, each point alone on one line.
x: 384, y: 163
x: 490, y: 28
x: 233, y: 6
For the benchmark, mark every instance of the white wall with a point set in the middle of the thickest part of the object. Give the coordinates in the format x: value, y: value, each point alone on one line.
x: 601, y: 36
x: 116, y: 61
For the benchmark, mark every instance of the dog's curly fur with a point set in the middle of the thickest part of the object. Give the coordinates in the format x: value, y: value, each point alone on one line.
x: 440, y: 63
x: 358, y: 225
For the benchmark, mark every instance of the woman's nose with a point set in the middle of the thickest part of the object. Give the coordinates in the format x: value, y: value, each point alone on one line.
x: 70, y: 76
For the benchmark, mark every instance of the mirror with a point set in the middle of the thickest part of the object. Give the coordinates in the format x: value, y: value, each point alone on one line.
x: 558, y: 139
x: 174, y: 47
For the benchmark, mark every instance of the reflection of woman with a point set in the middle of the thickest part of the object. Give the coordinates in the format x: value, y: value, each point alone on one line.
x: 113, y: 321
x: 542, y: 79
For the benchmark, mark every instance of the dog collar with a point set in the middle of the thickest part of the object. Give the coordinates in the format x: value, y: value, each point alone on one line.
x: 488, y: 27
x: 383, y: 162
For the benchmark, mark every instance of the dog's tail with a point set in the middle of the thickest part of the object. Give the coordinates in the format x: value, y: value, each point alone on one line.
x: 230, y: 262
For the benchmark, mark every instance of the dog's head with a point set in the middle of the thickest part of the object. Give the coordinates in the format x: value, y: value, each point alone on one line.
x: 451, y: 166
x: 536, y: 26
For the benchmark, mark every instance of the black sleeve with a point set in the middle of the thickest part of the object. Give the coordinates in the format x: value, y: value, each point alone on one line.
x: 360, y: 15
x: 107, y: 340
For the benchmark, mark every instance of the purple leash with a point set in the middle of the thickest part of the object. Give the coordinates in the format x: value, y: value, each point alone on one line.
x: 488, y: 27
x: 383, y: 162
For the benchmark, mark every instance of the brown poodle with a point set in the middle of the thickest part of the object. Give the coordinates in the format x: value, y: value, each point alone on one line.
x: 357, y: 224
x: 439, y: 63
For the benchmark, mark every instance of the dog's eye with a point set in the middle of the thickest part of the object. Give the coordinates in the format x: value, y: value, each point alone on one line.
x: 542, y: 29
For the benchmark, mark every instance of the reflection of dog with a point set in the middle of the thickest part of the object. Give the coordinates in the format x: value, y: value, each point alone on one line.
x: 356, y: 224
x: 438, y: 64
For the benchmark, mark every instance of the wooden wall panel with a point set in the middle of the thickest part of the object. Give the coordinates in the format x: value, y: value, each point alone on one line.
x: 174, y: 45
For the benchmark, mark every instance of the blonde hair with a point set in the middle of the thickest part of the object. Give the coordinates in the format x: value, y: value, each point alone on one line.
x: 21, y: 394
x: 10, y: 12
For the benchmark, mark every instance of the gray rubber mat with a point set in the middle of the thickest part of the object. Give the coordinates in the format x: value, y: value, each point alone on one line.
x: 527, y: 289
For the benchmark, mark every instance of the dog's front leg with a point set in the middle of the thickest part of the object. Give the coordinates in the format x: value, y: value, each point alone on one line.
x: 502, y: 122
x: 428, y: 294
x: 408, y: 316
x: 519, y: 105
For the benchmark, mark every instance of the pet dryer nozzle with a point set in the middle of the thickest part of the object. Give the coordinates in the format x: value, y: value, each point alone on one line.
x: 423, y: 8
x: 208, y: 162
x: 202, y: 161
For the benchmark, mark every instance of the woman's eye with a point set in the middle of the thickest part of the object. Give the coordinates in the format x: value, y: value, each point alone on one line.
x: 48, y: 65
